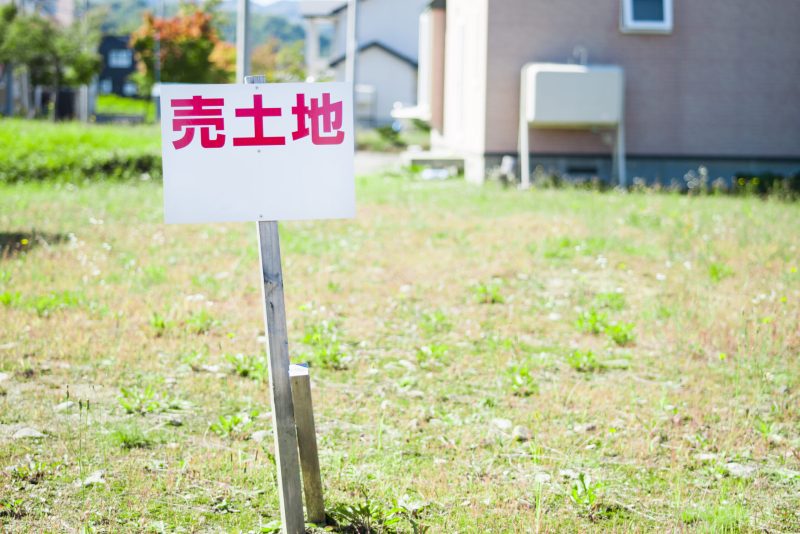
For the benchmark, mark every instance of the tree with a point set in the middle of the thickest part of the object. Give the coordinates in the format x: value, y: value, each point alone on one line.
x: 53, y: 56
x: 280, y: 63
x: 190, y: 48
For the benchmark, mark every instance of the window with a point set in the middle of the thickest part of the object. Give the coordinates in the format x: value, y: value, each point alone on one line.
x: 120, y: 58
x: 646, y: 16
x: 106, y: 86
x: 129, y: 89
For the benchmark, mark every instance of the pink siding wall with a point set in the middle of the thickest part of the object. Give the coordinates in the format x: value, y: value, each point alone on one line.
x: 725, y: 82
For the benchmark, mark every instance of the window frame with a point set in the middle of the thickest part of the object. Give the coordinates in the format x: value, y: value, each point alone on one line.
x: 117, y: 54
x: 630, y: 25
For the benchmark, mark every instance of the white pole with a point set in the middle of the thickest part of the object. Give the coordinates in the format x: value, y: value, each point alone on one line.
x: 619, y: 155
x: 524, y: 145
x: 242, y: 39
x: 350, y: 71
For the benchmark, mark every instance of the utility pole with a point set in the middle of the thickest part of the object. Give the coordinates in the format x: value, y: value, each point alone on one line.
x: 352, y: 42
x: 9, y: 75
x: 157, y: 63
x: 351, y: 51
x: 242, y: 39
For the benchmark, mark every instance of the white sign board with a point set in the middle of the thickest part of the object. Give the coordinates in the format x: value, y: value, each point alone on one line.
x: 253, y: 152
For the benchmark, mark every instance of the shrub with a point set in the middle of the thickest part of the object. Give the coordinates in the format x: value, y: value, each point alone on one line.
x: 73, y: 152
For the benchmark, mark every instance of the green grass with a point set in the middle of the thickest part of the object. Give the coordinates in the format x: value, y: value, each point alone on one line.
x: 437, y: 322
x: 120, y: 105
x: 384, y: 139
x: 74, y: 152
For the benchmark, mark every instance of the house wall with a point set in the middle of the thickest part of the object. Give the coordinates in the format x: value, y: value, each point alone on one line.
x: 725, y: 82
x: 394, y: 23
x: 465, y: 104
x: 394, y: 80
x: 438, y: 23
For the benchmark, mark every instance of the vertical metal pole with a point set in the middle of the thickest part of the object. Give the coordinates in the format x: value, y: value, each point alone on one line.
x: 242, y: 39
x: 9, y: 73
x: 619, y: 155
x: 351, y: 53
x: 524, y: 145
x: 286, y: 457
x: 157, y: 66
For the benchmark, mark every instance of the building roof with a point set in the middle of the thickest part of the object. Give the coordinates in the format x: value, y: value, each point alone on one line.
x: 372, y: 44
x: 321, y: 8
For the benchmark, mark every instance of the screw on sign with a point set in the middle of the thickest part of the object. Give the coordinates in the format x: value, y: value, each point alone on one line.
x: 206, y: 113
x: 220, y: 174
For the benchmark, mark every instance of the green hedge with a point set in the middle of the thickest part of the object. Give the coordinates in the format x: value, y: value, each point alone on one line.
x: 38, y: 150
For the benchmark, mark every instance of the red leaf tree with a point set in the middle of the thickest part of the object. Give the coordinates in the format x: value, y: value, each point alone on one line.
x: 190, y: 49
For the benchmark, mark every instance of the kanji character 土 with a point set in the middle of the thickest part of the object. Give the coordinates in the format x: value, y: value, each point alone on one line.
x: 258, y: 112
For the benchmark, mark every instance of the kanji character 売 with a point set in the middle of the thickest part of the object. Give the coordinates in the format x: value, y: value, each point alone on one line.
x: 203, y: 113
x: 325, y: 117
x: 258, y: 112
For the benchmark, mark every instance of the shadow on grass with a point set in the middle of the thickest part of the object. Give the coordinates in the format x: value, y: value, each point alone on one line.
x: 15, y: 243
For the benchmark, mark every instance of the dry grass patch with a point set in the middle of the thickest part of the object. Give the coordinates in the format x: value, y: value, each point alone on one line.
x: 482, y: 361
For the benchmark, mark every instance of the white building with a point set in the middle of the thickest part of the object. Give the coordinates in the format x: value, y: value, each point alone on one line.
x: 388, y: 50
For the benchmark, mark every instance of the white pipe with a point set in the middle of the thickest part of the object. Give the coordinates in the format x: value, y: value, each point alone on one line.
x: 524, y: 143
x: 352, y: 43
x: 242, y: 39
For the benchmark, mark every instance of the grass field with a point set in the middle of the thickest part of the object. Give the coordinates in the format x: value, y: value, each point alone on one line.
x: 75, y: 152
x: 483, y: 360
x: 119, y: 105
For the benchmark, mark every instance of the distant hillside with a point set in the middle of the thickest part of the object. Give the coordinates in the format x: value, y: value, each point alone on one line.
x: 278, y: 19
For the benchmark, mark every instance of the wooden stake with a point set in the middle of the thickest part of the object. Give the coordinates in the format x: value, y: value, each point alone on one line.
x: 286, y: 459
x: 307, y: 441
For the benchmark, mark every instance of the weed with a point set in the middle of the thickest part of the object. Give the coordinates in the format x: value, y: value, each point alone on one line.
x: 334, y: 287
x: 248, y: 366
x: 326, y: 349
x: 435, y: 322
x: 10, y: 507
x: 523, y: 382
x: 131, y: 436
x: 592, y: 321
x: 613, y: 301
x: 10, y: 298
x: 489, y: 292
x: 584, y: 495
x: 154, y: 275
x: 724, y: 518
x: 369, y: 516
x: 233, y: 426
x: 223, y: 505
x: 44, y: 305
x: 719, y: 271
x: 560, y: 249
x: 141, y: 401
x: 434, y: 353
x: 160, y: 324
x: 584, y: 361
x: 620, y: 333
x: 764, y: 428
x: 34, y: 472
x: 200, y: 322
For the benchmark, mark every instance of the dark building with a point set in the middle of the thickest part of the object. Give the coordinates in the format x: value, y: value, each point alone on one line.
x: 118, y: 65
